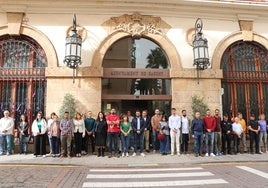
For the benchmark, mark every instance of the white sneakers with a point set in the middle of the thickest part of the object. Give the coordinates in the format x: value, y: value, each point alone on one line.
x: 123, y: 154
x: 135, y: 154
x: 212, y: 155
x: 127, y: 154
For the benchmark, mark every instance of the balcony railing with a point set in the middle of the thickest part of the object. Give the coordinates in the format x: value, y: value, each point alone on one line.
x: 247, y: 76
x: 22, y: 73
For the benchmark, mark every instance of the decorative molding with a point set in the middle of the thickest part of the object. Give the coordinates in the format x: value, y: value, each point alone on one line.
x: 137, y: 25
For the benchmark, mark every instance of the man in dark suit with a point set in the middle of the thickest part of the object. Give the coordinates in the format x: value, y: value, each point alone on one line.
x: 138, y: 126
x: 147, y: 130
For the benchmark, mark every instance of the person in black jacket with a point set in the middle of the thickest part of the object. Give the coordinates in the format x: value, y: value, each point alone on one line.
x: 23, y: 129
x: 254, y: 130
x: 226, y: 128
x: 198, y: 133
x: 100, y: 133
x: 138, y: 126
x: 147, y: 130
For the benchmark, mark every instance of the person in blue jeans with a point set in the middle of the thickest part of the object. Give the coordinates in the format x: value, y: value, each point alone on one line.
x: 164, y: 129
x: 210, y: 125
x: 6, y: 132
x: 138, y: 126
x: 198, y: 131
x: 125, y: 128
x: 113, y: 132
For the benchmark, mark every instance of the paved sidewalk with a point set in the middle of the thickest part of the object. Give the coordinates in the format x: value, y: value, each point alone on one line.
x: 148, y: 161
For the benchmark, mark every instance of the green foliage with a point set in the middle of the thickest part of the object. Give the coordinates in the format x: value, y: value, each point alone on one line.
x: 198, y: 104
x: 68, y: 105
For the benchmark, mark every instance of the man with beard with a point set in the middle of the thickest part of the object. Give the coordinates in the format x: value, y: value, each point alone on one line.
x: 113, y: 132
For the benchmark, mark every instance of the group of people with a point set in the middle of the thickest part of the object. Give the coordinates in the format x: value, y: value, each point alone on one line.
x: 118, y: 134
x: 221, y: 133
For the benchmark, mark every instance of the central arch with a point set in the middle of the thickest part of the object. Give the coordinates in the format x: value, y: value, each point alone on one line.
x: 136, y: 76
x: 138, y: 26
x: 162, y: 41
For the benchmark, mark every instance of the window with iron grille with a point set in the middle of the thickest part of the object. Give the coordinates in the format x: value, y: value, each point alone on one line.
x: 22, y: 76
x: 245, y: 79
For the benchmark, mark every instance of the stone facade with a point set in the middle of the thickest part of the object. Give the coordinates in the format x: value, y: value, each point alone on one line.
x: 171, y: 27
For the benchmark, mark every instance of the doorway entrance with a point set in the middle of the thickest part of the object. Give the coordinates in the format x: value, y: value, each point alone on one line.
x: 136, y: 76
x: 122, y: 106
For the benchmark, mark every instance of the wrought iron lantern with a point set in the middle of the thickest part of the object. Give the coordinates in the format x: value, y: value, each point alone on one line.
x: 73, y: 49
x: 200, y: 49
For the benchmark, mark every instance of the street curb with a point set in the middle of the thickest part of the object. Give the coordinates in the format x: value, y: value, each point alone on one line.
x: 149, y: 165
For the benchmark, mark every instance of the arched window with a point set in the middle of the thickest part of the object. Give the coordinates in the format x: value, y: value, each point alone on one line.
x: 22, y: 76
x: 245, y: 78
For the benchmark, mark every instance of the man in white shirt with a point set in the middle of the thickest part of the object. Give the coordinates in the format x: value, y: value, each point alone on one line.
x: 6, y: 131
x: 237, y: 131
x: 174, y: 123
x: 185, y: 129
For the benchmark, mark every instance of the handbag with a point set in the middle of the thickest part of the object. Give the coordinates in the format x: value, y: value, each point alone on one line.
x: 25, y: 139
x: 161, y: 136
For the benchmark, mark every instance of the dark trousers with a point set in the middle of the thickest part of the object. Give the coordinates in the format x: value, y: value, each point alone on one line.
x: 198, y: 142
x: 254, y: 138
x: 55, y: 144
x: 112, y: 139
x: 226, y: 138
x: 40, y: 144
x: 184, y: 142
x: 138, y: 140
x: 236, y: 144
x: 78, y: 142
x: 85, y: 142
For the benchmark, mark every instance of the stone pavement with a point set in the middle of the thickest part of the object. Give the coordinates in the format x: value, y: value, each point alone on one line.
x: 149, y: 160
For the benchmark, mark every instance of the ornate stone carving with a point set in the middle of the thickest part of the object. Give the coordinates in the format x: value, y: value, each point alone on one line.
x: 190, y: 33
x: 80, y: 31
x: 137, y: 25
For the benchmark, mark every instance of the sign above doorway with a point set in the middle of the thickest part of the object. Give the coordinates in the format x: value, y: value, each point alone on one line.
x: 135, y: 73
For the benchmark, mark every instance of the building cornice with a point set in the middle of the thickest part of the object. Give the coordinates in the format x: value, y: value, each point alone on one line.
x: 209, y: 9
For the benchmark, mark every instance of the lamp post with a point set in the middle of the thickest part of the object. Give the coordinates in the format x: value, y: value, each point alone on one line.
x: 200, y: 49
x: 73, y: 48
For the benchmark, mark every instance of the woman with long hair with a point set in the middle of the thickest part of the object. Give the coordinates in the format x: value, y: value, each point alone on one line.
x: 100, y: 133
x: 23, y: 129
x: 125, y: 128
x: 164, y: 130
x: 79, y: 133
x: 39, y: 128
x: 54, y: 136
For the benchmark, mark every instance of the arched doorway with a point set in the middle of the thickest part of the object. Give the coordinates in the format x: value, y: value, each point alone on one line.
x: 22, y: 76
x: 136, y: 76
x: 245, y: 80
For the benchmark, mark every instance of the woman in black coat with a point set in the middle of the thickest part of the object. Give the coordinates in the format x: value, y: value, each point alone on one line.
x: 100, y: 133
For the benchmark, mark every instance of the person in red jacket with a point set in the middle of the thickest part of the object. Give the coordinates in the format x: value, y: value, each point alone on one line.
x: 113, y: 132
x: 210, y: 125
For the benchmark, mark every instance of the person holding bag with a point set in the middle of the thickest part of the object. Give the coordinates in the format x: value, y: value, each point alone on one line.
x: 23, y: 129
x: 164, y: 132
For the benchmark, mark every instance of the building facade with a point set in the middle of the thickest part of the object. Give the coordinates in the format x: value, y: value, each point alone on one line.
x: 135, y: 54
